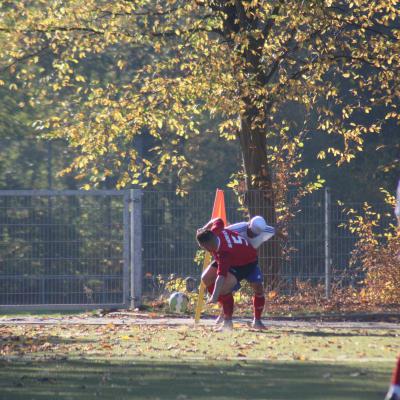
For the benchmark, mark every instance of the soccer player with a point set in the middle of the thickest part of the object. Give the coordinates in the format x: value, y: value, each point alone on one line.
x: 394, y: 389
x: 234, y: 259
x: 256, y: 231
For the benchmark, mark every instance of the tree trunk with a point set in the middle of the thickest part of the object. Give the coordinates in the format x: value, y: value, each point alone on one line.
x: 259, y: 196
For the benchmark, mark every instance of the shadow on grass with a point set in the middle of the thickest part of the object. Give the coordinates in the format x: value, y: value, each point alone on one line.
x: 338, y: 333
x: 24, y: 340
x: 90, y: 379
x: 348, y: 334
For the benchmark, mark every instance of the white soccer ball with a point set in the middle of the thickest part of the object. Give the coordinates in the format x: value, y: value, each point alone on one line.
x: 178, y: 302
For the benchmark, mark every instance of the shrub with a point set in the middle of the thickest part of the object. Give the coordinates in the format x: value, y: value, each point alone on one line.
x: 376, y: 255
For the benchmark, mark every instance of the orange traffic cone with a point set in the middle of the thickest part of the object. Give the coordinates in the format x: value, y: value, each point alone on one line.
x: 394, y: 390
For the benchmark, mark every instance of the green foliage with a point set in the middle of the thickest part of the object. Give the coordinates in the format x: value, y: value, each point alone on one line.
x: 176, y: 285
x: 199, y: 257
x: 24, y: 158
x: 376, y: 254
x: 201, y: 59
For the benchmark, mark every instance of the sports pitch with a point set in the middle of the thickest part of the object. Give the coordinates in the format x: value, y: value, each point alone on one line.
x: 70, y: 359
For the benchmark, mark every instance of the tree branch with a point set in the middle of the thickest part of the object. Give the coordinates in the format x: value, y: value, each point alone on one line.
x: 170, y: 33
x: 270, y: 22
x: 275, y: 65
x: 25, y: 57
x: 53, y: 29
x: 151, y: 13
x: 241, y: 14
x: 372, y: 29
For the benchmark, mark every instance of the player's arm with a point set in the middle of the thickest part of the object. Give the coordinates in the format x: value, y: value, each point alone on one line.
x: 239, y: 227
x: 257, y: 239
x: 222, y: 271
x: 215, y: 223
x: 219, y: 282
x: 270, y: 231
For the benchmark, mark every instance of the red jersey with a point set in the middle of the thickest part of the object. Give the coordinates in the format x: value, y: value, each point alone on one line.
x: 233, y: 251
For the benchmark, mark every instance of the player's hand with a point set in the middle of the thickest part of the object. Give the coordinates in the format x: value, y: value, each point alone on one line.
x: 212, y: 300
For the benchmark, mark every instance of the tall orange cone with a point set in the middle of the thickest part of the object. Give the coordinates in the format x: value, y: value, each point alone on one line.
x: 219, y: 206
x: 218, y: 212
x: 394, y: 390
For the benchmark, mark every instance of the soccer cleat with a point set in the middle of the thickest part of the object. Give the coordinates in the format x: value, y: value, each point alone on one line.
x: 257, y: 324
x: 394, y: 390
x: 227, y: 325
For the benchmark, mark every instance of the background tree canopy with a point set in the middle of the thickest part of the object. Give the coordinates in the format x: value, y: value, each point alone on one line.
x: 144, y: 91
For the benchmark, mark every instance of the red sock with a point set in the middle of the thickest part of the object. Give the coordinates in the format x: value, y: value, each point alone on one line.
x: 258, y: 305
x: 227, y: 305
x: 211, y: 288
x: 396, y: 373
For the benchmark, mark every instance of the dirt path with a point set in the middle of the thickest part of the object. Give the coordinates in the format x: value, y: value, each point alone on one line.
x: 145, y: 319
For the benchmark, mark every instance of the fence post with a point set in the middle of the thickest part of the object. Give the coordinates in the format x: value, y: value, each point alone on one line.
x: 136, y: 247
x: 126, y: 246
x: 327, y: 243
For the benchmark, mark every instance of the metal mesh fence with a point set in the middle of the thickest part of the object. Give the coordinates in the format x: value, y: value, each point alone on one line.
x: 82, y: 249
x: 316, y: 250
x: 61, y: 248
x: 169, y: 229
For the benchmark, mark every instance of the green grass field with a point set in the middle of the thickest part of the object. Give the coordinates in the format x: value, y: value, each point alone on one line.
x: 161, y: 362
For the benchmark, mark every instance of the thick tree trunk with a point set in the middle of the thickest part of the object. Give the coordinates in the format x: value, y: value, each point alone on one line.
x: 259, y: 196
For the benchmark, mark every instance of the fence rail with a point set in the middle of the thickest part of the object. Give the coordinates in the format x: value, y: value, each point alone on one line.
x: 92, y: 249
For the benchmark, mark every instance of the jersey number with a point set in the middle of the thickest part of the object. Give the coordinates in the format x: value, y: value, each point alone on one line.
x: 234, y: 239
x: 239, y: 240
